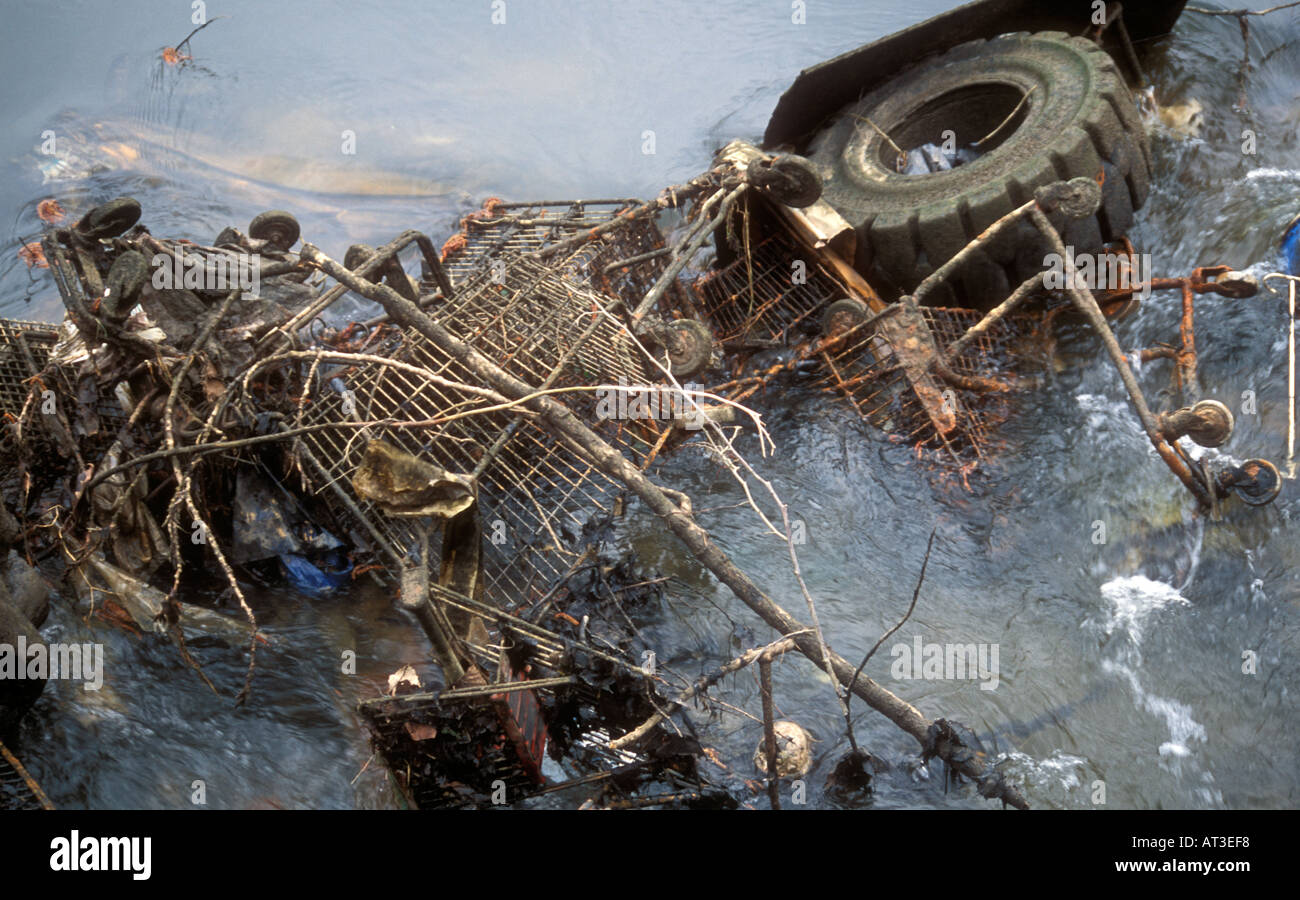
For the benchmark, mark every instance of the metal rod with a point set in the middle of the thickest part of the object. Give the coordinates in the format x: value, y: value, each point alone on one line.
x: 1027, y: 287
x: 1290, y: 384
x: 1087, y: 305
x: 1290, y: 370
x: 941, y: 274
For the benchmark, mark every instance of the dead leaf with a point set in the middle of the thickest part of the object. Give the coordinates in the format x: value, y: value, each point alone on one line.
x: 33, y: 255
x: 421, y: 732
x: 49, y: 211
x: 404, y: 675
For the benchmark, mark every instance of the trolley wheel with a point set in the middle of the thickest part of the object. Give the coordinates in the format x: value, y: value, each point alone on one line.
x: 357, y: 255
x: 690, y: 347
x: 277, y: 227
x: 843, y: 314
x: 1256, y: 481
x: 229, y: 237
x: 108, y: 220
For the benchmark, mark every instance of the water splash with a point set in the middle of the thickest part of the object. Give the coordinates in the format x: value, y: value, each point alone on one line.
x: 1133, y: 599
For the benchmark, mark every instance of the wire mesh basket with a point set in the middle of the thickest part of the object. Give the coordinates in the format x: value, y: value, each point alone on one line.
x: 533, y: 490
x: 624, y: 263
x: 761, y: 299
x: 776, y: 296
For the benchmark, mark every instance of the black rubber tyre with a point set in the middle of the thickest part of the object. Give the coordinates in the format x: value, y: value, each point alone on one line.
x: 1078, y: 120
x: 689, y: 346
x: 277, y: 227
x: 108, y: 220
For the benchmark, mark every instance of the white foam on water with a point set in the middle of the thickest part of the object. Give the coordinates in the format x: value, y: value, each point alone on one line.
x: 1132, y: 600
x: 1060, y: 780
x: 1104, y: 414
x: 1183, y: 729
x: 1269, y: 173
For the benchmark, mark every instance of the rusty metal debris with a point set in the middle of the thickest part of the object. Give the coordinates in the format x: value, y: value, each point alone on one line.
x: 484, y: 520
x: 18, y: 789
x: 253, y: 421
x: 943, y: 379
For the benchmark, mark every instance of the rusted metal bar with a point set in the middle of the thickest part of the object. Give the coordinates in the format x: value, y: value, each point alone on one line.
x: 28, y: 780
x: 941, y: 274
x: 1222, y: 280
x: 1026, y: 288
x: 1087, y: 306
x: 1291, y: 280
x: 1186, y: 361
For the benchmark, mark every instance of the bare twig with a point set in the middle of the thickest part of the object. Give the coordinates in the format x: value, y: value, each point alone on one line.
x: 749, y: 657
x: 1241, y: 12
x: 769, y: 730
x: 916, y: 592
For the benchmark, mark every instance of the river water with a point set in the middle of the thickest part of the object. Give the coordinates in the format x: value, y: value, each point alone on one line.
x: 1120, y: 663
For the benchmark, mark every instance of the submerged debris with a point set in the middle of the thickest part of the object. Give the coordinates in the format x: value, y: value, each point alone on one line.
x: 215, y: 404
x: 793, y: 750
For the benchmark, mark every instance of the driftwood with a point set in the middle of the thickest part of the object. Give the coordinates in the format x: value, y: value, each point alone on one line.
x: 561, y: 421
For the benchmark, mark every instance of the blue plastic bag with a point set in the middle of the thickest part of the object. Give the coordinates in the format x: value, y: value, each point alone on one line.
x: 1291, y: 247
x: 334, y: 570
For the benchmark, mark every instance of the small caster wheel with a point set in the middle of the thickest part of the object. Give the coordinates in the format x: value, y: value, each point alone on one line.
x: 1119, y: 310
x: 122, y: 285
x: 277, y: 227
x: 1237, y: 285
x: 690, y: 347
x: 1213, y: 424
x: 790, y: 179
x: 844, y: 314
x: 1257, y: 482
x: 108, y: 220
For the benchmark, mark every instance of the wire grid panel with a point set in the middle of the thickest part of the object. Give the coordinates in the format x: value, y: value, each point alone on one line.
x: 998, y: 353
x: 446, y: 754
x: 762, y: 299
x: 535, y: 492
x: 509, y: 229
x: 24, y: 350
x: 868, y: 370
